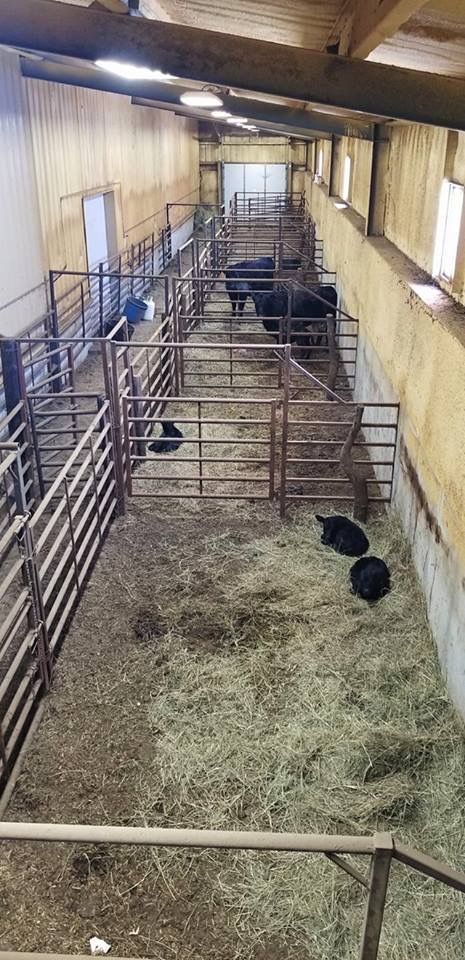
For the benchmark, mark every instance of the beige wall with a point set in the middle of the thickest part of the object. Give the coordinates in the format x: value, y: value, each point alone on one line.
x: 416, y: 169
x: 22, y: 288
x: 85, y: 142
x: 62, y: 144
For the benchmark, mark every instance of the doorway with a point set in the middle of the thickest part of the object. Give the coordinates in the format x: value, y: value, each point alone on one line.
x: 253, y: 178
x: 100, y: 235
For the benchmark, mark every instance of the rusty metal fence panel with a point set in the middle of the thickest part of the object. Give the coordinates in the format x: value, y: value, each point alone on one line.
x: 214, y: 431
x: 45, y: 559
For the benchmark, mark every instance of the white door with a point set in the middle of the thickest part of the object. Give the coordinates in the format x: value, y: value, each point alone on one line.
x: 253, y: 178
x: 95, y: 222
x: 233, y: 182
x: 275, y: 178
x: 100, y: 247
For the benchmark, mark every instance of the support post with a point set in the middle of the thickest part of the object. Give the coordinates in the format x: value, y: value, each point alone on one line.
x: 352, y: 469
x: 374, y: 223
x: 378, y: 882
x: 100, y: 299
x: 55, y: 363
x: 115, y: 407
x: 285, y: 429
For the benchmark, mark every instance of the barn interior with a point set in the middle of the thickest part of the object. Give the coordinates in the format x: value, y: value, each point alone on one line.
x: 209, y: 746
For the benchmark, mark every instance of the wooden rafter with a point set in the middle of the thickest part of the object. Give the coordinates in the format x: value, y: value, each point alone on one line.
x: 364, y: 24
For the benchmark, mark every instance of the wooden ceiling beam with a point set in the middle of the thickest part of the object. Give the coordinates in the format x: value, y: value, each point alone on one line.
x: 237, y: 62
x: 364, y: 24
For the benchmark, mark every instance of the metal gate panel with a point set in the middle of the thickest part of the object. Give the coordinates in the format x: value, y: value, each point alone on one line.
x: 228, y: 450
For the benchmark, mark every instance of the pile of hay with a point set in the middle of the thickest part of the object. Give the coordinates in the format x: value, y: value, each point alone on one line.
x: 285, y: 703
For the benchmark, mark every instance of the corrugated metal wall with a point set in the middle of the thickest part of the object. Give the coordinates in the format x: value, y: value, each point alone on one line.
x: 88, y: 142
x: 22, y: 289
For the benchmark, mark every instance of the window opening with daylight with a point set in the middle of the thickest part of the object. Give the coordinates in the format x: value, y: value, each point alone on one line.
x: 319, y: 167
x: 448, y: 230
x: 345, y: 190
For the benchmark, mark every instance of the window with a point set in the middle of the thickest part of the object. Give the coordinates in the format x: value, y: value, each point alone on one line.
x: 319, y: 166
x: 448, y: 230
x: 345, y: 189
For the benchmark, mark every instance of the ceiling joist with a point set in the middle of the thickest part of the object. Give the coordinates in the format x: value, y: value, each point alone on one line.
x: 306, y: 122
x: 209, y: 57
x: 364, y: 24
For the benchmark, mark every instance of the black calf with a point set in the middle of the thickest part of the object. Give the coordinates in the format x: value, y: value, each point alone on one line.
x: 120, y: 334
x: 244, y: 277
x: 343, y: 535
x: 370, y: 578
x: 170, y: 439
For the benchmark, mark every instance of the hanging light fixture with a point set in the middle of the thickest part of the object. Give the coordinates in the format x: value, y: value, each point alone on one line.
x: 200, y: 98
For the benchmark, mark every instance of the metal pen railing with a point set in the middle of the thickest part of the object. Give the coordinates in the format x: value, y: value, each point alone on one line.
x: 381, y: 849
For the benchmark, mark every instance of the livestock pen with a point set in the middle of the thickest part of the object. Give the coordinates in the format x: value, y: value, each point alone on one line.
x: 217, y: 673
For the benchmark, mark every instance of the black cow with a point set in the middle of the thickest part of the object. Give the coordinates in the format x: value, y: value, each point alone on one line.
x: 304, y: 304
x: 343, y: 535
x: 244, y: 277
x: 370, y: 578
x: 170, y: 439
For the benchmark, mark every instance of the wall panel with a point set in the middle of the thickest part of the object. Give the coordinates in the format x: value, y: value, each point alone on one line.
x: 22, y: 290
x: 87, y: 142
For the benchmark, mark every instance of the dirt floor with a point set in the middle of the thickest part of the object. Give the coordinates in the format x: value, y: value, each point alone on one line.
x: 219, y: 673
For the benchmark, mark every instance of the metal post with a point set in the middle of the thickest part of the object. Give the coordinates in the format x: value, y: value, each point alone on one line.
x: 138, y: 411
x: 100, y: 299
x: 31, y: 577
x: 71, y: 533
x: 83, y: 310
x: 55, y: 365
x: 378, y: 882
x: 116, y: 418
x: 163, y: 254
x: 36, y: 446
x: 285, y: 429
x: 119, y: 283
x: 272, y: 447
x: 127, y: 446
x: 95, y: 486
x: 199, y: 413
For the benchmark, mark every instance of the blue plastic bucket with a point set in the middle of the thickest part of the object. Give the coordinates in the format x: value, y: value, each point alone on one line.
x: 134, y: 309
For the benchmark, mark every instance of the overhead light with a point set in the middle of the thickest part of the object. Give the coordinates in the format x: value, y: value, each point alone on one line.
x: 130, y: 72
x: 220, y: 114
x: 200, y: 98
x: 237, y: 121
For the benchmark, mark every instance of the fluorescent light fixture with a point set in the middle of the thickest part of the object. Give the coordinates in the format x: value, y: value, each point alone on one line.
x: 220, y: 114
x: 237, y: 121
x: 200, y: 98
x: 131, y: 72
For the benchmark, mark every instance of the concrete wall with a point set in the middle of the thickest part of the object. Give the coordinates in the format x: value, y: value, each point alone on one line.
x: 62, y: 144
x: 412, y: 350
